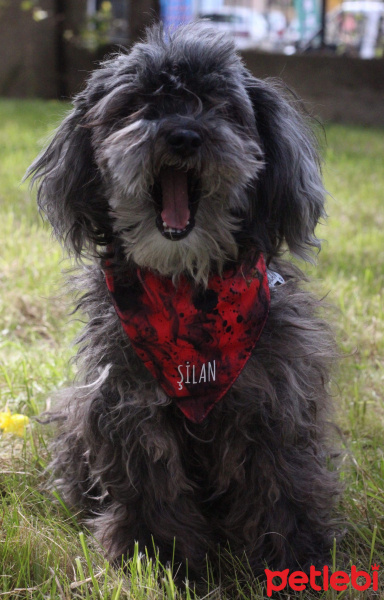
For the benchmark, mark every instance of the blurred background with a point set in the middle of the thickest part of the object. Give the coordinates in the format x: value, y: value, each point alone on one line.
x: 330, y: 52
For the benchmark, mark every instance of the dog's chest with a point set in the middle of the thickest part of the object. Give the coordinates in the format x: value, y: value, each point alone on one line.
x: 194, y: 342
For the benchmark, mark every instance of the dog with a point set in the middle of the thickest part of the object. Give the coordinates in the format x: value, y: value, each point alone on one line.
x: 199, y: 418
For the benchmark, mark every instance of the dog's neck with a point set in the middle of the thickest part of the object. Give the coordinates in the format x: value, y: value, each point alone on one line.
x: 195, y: 342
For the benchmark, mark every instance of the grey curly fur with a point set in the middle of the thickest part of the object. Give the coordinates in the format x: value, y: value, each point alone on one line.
x: 255, y: 473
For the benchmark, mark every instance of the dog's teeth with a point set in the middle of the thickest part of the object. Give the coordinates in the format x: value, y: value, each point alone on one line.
x: 174, y: 230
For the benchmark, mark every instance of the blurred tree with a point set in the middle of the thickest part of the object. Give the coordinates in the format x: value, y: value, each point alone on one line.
x: 140, y: 15
x: 99, y: 24
x: 60, y: 54
x: 93, y: 25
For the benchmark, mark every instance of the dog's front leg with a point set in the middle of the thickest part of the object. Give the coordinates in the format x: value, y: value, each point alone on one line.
x: 136, y: 460
x: 280, y: 512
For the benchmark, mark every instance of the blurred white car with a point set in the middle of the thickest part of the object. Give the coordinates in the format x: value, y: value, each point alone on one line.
x: 247, y: 26
x: 291, y: 37
x: 277, y: 24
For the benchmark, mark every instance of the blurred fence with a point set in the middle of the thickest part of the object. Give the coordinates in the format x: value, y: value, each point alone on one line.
x: 335, y: 88
x: 338, y: 88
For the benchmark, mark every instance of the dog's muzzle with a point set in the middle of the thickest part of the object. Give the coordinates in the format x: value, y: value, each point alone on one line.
x: 176, y: 190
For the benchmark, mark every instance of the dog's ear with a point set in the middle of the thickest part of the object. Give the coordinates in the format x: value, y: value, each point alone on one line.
x: 289, y: 192
x: 69, y: 186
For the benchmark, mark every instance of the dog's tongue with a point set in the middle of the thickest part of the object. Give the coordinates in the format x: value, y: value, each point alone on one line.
x: 174, y: 187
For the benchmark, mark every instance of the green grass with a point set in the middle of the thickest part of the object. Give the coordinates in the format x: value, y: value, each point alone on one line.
x: 43, y: 553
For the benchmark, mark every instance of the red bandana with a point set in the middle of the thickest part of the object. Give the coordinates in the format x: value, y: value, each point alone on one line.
x: 194, y: 342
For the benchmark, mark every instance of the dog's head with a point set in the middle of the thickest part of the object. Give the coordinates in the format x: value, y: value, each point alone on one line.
x: 177, y: 151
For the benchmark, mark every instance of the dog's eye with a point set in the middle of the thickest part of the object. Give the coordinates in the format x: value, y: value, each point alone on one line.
x: 232, y: 113
x: 228, y: 112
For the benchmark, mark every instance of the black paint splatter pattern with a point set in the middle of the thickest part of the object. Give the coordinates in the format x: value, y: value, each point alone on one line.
x: 194, y: 343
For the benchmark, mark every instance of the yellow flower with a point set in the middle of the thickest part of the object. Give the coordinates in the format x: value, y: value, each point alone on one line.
x: 4, y: 419
x: 13, y: 423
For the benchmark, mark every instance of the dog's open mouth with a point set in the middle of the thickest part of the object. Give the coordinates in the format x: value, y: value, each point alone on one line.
x: 176, y: 196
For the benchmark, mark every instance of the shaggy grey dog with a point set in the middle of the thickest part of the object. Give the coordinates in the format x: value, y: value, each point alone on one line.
x: 183, y: 112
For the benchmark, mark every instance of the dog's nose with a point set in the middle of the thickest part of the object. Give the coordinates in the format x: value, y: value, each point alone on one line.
x: 184, y: 141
